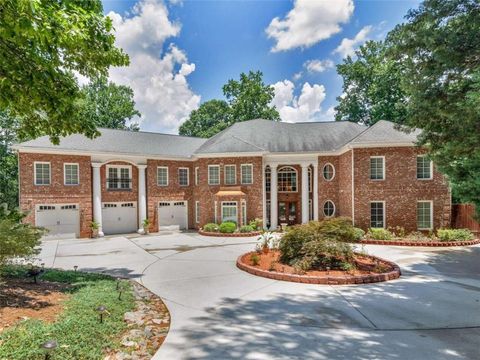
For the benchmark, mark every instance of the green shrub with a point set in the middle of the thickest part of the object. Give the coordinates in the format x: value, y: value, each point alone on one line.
x: 398, y: 231
x: 359, y: 234
x: 454, y: 235
x: 227, y: 227
x: 255, y: 259
x: 339, y: 228
x: 256, y: 223
x: 210, y: 227
x: 379, y: 234
x: 246, y: 229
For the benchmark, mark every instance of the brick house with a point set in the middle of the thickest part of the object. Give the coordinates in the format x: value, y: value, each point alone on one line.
x: 283, y: 173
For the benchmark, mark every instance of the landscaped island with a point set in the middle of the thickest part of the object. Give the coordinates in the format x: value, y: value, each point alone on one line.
x: 77, y: 315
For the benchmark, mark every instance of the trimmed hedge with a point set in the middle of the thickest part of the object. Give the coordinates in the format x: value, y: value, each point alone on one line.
x: 454, y: 235
x: 227, y: 227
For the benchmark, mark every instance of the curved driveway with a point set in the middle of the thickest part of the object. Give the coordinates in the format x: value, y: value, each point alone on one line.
x: 220, y: 312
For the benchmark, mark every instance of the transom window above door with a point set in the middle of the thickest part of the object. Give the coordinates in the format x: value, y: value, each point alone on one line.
x: 119, y: 177
x: 287, y: 179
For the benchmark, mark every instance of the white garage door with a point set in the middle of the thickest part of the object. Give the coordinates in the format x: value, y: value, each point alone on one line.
x: 62, y: 220
x: 172, y: 215
x: 119, y: 218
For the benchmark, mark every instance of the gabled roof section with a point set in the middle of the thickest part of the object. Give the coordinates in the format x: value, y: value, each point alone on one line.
x: 279, y: 137
x: 385, y: 132
x: 122, y: 141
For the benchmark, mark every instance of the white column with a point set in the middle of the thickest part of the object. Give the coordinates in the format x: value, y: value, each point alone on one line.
x: 304, y: 193
x: 97, y: 197
x: 315, y: 192
x: 273, y: 198
x: 142, y: 198
x: 264, y: 197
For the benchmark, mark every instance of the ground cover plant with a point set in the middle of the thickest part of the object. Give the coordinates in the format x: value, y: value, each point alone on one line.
x: 230, y: 227
x: 399, y: 233
x: 77, y: 329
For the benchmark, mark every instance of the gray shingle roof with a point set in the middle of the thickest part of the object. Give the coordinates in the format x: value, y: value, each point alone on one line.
x: 385, y: 132
x: 270, y: 136
x: 243, y: 137
x: 126, y: 142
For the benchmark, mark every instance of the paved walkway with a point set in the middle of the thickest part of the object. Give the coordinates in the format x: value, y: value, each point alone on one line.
x: 220, y: 312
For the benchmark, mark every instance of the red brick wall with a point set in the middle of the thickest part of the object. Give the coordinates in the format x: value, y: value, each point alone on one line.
x: 56, y: 193
x: 400, y: 190
x: 119, y: 195
x: 328, y: 190
x: 206, y: 193
x: 172, y: 192
x: 344, y: 173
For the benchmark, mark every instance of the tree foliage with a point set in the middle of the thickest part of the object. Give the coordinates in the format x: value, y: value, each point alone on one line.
x: 248, y: 98
x: 437, y: 54
x: 109, y: 105
x: 42, y: 44
x: 16, y: 238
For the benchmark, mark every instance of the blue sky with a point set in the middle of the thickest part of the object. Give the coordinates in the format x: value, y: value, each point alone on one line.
x: 183, y: 52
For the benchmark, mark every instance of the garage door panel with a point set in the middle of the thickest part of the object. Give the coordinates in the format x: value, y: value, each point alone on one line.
x: 60, y: 220
x: 172, y: 215
x: 119, y: 218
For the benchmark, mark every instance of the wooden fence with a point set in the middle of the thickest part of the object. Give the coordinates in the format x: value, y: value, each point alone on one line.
x: 463, y: 217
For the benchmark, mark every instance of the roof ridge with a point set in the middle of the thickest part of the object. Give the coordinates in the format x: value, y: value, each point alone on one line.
x: 145, y: 132
x: 248, y: 143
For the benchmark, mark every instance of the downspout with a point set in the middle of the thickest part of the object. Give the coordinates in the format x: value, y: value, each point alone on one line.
x: 353, y: 189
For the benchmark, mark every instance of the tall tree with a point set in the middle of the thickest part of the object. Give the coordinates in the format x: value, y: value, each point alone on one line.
x: 8, y: 161
x: 109, y: 105
x: 439, y: 51
x: 371, y: 87
x: 248, y: 98
x: 42, y: 44
x: 209, y: 119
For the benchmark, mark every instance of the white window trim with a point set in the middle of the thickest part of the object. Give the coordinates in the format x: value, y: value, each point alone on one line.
x: 209, y: 180
x: 197, y: 211
x: 416, y: 169
x: 188, y: 175
x: 251, y: 171
x: 383, y: 168
x: 65, y: 174
x: 168, y: 180
x: 431, y: 214
x: 278, y: 188
x: 384, y: 213
x: 118, y: 166
x: 197, y: 174
x: 335, y: 209
x: 228, y: 202
x: 243, y: 205
x: 234, y: 174
x: 35, y: 172
x: 323, y: 171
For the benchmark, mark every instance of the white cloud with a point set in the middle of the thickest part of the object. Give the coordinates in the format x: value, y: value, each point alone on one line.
x: 308, y: 23
x: 348, y: 46
x: 297, y: 76
x: 157, y: 73
x: 305, y: 107
x: 318, y: 65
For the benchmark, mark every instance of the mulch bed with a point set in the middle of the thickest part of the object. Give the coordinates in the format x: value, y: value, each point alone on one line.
x: 370, y: 269
x: 22, y: 299
x: 433, y: 243
x: 219, y: 234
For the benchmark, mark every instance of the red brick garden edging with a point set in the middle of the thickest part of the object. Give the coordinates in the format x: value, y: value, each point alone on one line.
x: 323, y: 280
x: 420, y: 243
x: 219, y: 234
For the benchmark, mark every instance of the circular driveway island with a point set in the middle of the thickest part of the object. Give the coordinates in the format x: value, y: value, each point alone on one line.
x: 220, y: 312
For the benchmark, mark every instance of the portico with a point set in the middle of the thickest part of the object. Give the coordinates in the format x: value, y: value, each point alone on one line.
x: 290, y: 190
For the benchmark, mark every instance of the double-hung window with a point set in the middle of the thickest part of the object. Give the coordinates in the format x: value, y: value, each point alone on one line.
x: 162, y: 176
x: 119, y: 177
x: 247, y: 174
x: 213, y: 175
x: 230, y: 174
x: 424, y: 168
x: 377, y: 168
x: 229, y: 211
x: 42, y: 173
x: 71, y: 174
x: 377, y: 214
x: 424, y: 215
x: 183, y: 176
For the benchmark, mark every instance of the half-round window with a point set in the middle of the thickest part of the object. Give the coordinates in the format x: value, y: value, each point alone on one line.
x: 329, y: 208
x: 328, y: 172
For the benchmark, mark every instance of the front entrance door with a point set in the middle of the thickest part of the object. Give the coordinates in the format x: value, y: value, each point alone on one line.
x: 287, y: 212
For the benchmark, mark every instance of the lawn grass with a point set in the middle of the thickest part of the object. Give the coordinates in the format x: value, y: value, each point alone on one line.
x: 78, y: 332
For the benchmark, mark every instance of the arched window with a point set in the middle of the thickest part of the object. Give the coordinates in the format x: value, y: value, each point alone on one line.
x: 328, y: 172
x: 287, y: 179
x: 328, y: 208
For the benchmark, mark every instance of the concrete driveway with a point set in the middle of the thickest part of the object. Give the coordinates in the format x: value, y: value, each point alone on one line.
x: 220, y: 312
